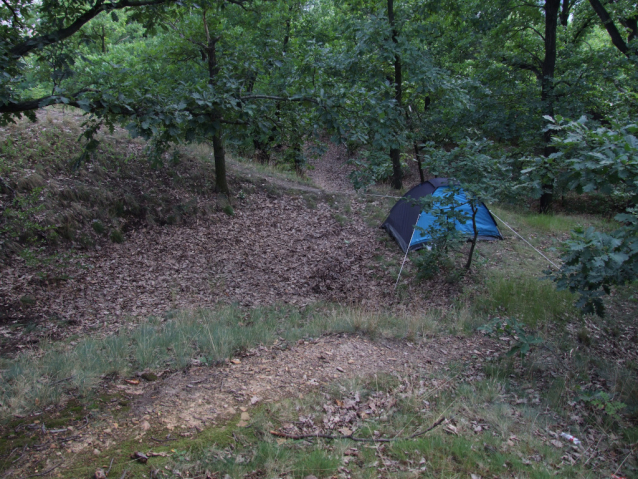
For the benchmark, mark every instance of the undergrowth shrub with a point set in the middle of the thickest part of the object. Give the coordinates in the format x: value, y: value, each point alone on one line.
x: 117, y: 236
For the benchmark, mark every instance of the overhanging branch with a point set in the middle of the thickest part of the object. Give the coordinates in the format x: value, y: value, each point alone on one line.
x: 40, y: 41
x: 35, y: 104
x: 278, y: 98
x: 610, y: 26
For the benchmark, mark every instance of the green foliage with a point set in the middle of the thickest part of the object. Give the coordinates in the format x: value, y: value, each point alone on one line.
x: 523, y: 342
x: 98, y: 227
x: 228, y: 209
x: 603, y: 402
x: 430, y: 262
x: 19, y: 219
x: 605, y: 160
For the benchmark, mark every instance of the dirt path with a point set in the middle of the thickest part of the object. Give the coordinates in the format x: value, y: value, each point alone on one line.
x: 266, y: 375
x: 183, y: 403
x: 331, y: 171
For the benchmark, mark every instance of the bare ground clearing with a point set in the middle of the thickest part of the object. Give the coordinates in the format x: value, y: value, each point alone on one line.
x: 182, y: 404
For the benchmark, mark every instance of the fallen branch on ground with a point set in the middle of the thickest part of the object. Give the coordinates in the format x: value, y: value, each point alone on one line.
x: 44, y: 473
x: 353, y: 438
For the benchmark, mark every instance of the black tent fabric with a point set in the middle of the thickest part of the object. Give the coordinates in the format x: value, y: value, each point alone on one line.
x: 404, y: 214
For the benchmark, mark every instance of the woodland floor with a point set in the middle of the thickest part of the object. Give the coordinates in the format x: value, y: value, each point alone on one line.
x: 292, y: 243
x: 287, y: 242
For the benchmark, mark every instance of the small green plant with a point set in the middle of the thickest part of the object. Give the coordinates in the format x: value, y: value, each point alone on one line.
x: 98, y: 227
x: 430, y: 262
x: 228, y: 209
x: 584, y: 337
x: 603, y: 402
x: 19, y: 218
x: 524, y: 342
x: 117, y: 236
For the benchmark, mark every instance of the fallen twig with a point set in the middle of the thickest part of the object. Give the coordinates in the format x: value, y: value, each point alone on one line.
x: 437, y: 423
x: 124, y: 474
x: 86, y: 419
x: 110, y: 466
x: 163, y: 440
x: 353, y: 438
x: 61, y: 380
x: 44, y: 473
x: 67, y: 439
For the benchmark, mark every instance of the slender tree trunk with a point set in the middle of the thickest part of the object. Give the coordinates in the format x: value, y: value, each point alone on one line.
x: 468, y: 265
x: 220, y: 163
x: 395, y: 153
x: 218, y: 143
x: 552, y: 8
x: 417, y: 154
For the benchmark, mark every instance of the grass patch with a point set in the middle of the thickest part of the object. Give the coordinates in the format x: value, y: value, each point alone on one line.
x: 46, y: 377
x: 485, y: 435
x: 551, y: 223
x: 534, y: 301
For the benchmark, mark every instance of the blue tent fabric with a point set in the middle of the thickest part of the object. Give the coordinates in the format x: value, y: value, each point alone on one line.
x: 403, y: 217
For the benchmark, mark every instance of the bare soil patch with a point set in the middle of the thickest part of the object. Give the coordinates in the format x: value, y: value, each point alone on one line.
x: 264, y: 375
x: 182, y: 404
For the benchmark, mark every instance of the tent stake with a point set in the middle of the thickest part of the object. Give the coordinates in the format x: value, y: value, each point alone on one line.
x: 407, y: 250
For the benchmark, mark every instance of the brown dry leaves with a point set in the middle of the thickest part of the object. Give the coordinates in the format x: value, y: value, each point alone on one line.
x: 273, y: 250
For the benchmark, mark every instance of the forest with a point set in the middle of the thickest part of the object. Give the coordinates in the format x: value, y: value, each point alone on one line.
x: 193, y: 281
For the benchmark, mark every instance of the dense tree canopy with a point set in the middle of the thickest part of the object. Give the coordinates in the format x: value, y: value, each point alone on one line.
x: 392, y: 79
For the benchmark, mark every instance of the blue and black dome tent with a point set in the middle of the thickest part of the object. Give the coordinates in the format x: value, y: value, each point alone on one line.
x: 403, y: 216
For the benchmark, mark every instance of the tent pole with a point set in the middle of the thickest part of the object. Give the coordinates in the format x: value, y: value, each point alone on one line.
x: 407, y: 250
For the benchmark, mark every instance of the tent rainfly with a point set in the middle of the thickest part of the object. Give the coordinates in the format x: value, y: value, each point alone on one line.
x: 402, y: 220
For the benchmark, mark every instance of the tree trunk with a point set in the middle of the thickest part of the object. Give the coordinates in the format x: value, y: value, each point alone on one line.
x: 552, y: 8
x: 218, y: 145
x: 395, y: 154
x: 468, y: 265
x: 220, y: 163
x: 417, y: 154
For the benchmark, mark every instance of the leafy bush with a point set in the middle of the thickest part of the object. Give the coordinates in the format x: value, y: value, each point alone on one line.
x: 603, y: 160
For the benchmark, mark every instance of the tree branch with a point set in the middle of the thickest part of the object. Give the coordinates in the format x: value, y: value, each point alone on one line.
x: 582, y: 29
x: 525, y: 66
x: 27, y: 46
x: 31, y: 105
x: 610, y: 26
x: 16, y: 19
x: 278, y: 98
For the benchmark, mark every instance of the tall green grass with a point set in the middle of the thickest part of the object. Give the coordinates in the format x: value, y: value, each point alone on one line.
x: 43, y: 377
x: 532, y: 300
x: 551, y: 223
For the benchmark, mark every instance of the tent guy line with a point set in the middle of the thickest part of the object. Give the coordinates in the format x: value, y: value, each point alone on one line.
x: 406, y: 256
x: 528, y: 243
